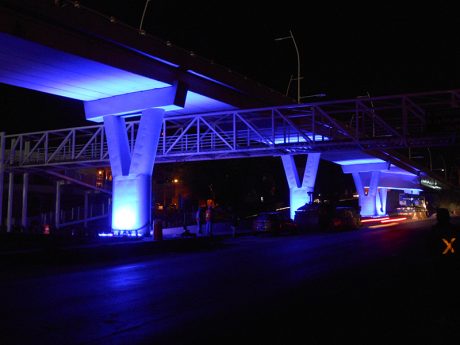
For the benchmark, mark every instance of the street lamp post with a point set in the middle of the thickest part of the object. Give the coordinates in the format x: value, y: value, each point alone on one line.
x: 141, y: 31
x: 291, y: 36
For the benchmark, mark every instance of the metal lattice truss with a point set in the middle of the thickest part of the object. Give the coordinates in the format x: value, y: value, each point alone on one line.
x: 363, y: 123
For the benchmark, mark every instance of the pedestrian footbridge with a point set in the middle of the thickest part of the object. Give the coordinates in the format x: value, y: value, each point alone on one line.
x: 153, y: 102
x: 370, y: 138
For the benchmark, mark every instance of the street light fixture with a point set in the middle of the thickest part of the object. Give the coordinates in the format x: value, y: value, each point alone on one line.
x: 291, y: 36
x: 314, y: 96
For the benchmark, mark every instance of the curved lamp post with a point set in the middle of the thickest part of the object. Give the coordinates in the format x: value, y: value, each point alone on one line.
x: 291, y: 36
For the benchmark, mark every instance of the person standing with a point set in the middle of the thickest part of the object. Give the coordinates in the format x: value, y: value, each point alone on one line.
x: 198, y: 220
x: 209, y: 220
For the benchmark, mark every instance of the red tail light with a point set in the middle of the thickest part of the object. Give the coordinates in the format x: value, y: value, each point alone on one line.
x: 336, y: 222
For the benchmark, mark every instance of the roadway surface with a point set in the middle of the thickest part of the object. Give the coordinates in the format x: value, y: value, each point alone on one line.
x: 371, y: 286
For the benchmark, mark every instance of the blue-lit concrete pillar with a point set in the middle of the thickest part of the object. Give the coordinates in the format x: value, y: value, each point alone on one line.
x: 301, y: 192
x: 132, y: 173
x: 368, y: 201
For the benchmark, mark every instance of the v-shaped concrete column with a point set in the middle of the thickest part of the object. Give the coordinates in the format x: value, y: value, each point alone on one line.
x: 374, y: 202
x: 132, y: 174
x: 301, y: 192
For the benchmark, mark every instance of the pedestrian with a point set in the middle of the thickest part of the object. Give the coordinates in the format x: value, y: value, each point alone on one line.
x: 209, y: 221
x: 198, y: 220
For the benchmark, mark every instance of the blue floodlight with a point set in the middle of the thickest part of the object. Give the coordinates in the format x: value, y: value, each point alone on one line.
x: 360, y: 161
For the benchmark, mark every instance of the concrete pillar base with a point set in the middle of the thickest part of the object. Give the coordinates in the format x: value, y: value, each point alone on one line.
x: 131, y: 205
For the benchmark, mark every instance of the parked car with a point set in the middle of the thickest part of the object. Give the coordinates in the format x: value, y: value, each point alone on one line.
x: 411, y: 212
x: 274, y: 222
x: 327, y: 216
x: 345, y: 218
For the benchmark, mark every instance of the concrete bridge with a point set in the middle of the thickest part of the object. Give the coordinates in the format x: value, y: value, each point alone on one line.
x: 181, y: 107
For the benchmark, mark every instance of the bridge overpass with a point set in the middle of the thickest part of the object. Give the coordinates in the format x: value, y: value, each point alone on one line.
x: 192, y: 109
x: 361, y: 138
x: 373, y: 125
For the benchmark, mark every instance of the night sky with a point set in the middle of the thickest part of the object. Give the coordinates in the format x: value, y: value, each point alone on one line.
x: 345, y: 50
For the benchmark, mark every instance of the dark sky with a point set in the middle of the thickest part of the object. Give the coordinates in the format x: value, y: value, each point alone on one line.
x: 345, y: 50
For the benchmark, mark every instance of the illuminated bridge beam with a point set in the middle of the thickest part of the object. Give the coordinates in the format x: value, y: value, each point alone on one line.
x: 167, y: 98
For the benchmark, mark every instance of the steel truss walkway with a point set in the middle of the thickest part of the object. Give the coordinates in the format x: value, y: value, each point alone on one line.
x: 377, y: 123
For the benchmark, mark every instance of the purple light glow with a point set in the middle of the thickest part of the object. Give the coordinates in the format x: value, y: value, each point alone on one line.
x: 359, y: 161
x: 33, y: 66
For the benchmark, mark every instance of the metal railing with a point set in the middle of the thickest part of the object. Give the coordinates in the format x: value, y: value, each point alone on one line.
x: 388, y: 122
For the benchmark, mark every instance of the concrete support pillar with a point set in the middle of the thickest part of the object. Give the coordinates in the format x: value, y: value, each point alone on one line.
x: 301, y: 192
x: 368, y: 201
x: 57, y: 205
x: 2, y: 173
x: 132, y: 174
x: 25, y: 192
x: 9, y: 212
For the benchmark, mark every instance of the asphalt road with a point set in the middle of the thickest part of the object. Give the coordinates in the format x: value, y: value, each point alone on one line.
x: 361, y: 287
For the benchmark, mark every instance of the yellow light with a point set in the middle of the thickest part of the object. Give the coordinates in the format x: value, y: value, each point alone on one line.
x: 175, y: 180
